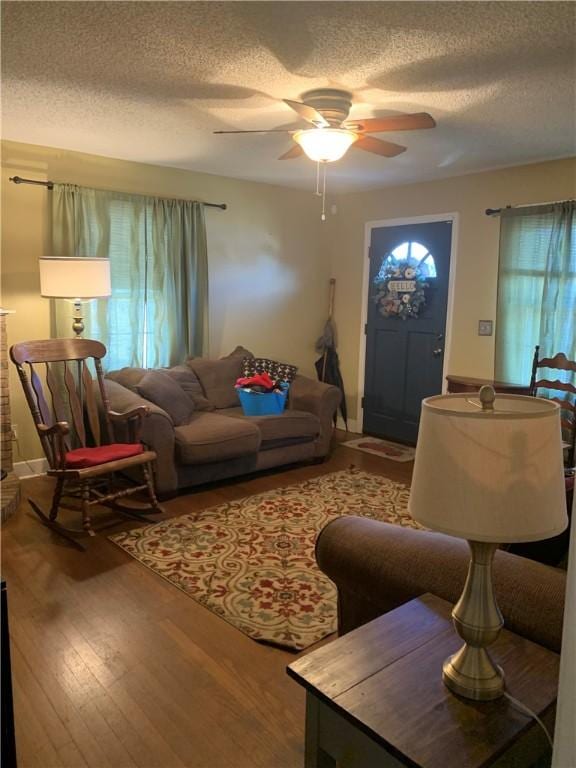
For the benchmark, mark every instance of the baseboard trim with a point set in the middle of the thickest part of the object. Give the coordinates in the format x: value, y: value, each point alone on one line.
x: 353, y: 425
x: 31, y: 468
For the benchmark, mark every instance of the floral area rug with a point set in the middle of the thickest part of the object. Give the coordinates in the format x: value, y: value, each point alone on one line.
x: 252, y: 561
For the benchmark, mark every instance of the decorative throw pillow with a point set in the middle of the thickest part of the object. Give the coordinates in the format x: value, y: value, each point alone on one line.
x: 187, y: 379
x: 276, y: 370
x: 218, y: 377
x: 161, y: 389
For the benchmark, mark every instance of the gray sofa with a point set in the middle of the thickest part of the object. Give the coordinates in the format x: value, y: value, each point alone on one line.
x: 209, y: 438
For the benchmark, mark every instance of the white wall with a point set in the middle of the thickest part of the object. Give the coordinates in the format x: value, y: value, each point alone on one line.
x: 476, y: 272
x: 271, y: 257
x: 268, y: 265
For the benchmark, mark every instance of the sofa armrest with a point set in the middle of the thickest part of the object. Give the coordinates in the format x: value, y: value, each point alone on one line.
x: 157, y: 432
x: 320, y: 399
x: 378, y: 566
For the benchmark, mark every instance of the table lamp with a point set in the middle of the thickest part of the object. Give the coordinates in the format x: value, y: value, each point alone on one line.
x: 488, y: 470
x: 75, y: 279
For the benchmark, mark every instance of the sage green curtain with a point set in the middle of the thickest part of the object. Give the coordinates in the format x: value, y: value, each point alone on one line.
x: 158, y: 312
x: 536, y: 288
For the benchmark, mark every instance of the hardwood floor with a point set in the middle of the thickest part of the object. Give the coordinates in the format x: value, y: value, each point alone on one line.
x: 114, y: 667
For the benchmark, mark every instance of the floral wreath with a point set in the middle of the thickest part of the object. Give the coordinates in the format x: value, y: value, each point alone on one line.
x: 400, y: 288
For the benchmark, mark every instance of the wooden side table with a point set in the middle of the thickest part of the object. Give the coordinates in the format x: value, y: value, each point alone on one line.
x: 375, y: 697
x: 469, y: 384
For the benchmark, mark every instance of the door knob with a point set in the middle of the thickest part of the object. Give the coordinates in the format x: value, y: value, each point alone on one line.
x: 437, y: 352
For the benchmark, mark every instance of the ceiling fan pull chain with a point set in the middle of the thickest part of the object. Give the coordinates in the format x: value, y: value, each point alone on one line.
x: 317, y: 193
x: 323, y: 217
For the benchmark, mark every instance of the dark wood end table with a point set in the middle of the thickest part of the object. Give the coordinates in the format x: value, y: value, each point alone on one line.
x: 375, y: 697
x: 470, y: 384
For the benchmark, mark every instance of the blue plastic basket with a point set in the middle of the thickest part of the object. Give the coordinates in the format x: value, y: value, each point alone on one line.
x: 262, y: 403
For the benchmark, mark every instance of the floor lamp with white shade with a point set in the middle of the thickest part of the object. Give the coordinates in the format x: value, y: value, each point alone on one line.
x: 77, y: 280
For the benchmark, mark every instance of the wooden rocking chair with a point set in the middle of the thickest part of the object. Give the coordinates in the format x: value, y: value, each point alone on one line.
x: 567, y: 402
x: 76, y: 439
x: 545, y: 382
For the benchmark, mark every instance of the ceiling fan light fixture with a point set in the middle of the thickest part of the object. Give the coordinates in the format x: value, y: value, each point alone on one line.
x: 325, y: 145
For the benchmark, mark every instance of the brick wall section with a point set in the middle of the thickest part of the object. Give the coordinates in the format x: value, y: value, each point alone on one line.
x: 10, y: 489
x: 5, y: 423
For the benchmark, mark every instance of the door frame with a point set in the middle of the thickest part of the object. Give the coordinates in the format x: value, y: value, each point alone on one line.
x: 368, y: 227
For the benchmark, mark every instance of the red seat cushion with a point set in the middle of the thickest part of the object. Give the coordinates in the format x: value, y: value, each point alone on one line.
x: 82, y: 458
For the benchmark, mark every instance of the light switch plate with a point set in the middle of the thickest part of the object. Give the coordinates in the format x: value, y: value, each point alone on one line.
x: 484, y: 327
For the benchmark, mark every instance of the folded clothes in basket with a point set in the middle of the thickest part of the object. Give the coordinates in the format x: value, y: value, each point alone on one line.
x: 261, y: 382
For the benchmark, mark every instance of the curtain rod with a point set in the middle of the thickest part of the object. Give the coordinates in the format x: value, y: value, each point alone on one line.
x: 50, y: 185
x: 496, y: 211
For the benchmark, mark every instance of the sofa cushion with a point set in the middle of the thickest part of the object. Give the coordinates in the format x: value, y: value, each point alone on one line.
x: 211, y: 437
x: 161, y: 389
x: 241, y: 352
x: 127, y: 377
x: 281, y: 426
x: 187, y: 379
x: 219, y: 376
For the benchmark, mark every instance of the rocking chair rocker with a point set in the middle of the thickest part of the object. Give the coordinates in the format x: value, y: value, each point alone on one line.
x: 79, y: 453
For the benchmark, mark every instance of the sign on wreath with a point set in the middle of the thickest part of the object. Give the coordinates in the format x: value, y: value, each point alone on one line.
x: 400, y: 288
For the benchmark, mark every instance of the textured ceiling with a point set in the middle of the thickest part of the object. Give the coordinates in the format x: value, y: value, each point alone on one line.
x: 150, y: 81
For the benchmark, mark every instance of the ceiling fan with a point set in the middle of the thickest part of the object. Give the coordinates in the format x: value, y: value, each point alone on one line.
x: 333, y: 133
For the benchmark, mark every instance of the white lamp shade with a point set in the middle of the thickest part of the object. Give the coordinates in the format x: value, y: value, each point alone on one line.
x: 493, y: 476
x: 325, y: 144
x: 72, y: 278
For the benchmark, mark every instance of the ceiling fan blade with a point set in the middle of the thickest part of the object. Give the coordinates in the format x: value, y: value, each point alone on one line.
x: 378, y: 147
x: 293, y: 152
x: 309, y: 114
x: 412, y: 122
x: 264, y: 130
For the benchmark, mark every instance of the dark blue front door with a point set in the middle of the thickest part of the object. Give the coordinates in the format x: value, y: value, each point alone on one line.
x: 407, y: 301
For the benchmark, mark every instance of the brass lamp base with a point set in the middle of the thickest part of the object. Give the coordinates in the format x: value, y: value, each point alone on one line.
x: 471, y: 672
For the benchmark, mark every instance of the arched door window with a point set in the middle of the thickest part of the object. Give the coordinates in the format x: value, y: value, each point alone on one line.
x: 414, y: 251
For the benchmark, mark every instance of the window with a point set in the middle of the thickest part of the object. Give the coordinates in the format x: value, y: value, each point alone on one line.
x: 536, y: 288
x: 157, y: 314
x: 411, y: 250
x: 121, y: 320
